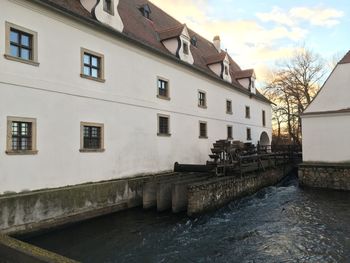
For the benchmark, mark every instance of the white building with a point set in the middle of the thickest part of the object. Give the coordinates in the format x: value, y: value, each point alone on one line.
x: 99, y: 90
x: 326, y: 129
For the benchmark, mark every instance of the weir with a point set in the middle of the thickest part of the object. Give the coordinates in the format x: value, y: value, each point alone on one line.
x: 192, y: 188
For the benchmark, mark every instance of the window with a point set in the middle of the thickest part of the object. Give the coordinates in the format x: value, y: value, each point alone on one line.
x: 202, y: 100
x: 146, y: 11
x: 229, y: 132
x: 21, y: 135
x: 92, y: 65
x: 91, y: 137
x: 185, y: 48
x: 247, y: 112
x: 226, y: 70
x: 263, y: 118
x: 194, y: 41
x: 21, y: 44
x: 163, y: 88
x: 249, y: 134
x: 203, y: 132
x: 228, y: 107
x: 163, y: 125
x: 108, y: 6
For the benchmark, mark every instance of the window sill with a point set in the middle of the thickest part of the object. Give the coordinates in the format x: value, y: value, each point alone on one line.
x: 25, y: 61
x: 247, y: 117
x: 23, y: 152
x: 230, y: 138
x: 163, y: 97
x: 229, y: 112
x: 203, y: 107
x: 91, y: 150
x: 163, y: 134
x: 203, y: 137
x: 92, y: 78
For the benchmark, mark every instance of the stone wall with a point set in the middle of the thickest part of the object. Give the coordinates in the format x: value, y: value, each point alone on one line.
x: 325, y: 175
x: 44, y: 209
x: 215, y: 193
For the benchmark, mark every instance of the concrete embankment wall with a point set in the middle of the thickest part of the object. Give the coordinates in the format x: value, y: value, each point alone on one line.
x: 40, y: 210
x: 325, y: 175
x: 215, y: 193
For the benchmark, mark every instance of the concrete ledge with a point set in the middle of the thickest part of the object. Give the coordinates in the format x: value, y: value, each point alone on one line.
x: 39, y: 210
x: 325, y: 175
x: 15, y: 251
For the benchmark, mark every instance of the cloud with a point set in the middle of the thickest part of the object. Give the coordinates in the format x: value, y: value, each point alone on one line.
x: 315, y: 16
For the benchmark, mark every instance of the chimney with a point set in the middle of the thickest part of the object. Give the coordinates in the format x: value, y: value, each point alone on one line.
x: 217, y: 43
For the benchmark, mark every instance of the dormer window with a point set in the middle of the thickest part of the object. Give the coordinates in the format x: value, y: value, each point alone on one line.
x: 226, y: 70
x: 108, y: 7
x: 185, y: 48
x: 252, y: 84
x: 146, y: 11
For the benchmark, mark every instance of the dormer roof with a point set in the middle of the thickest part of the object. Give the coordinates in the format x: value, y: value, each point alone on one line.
x: 248, y: 73
x: 217, y: 58
x: 171, y: 32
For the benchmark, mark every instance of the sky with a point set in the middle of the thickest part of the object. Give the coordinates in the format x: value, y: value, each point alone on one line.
x: 257, y: 34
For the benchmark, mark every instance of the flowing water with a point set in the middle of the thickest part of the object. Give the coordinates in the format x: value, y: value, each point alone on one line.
x: 283, y: 223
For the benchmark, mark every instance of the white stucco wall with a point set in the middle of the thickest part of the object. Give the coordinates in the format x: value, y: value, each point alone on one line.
x: 326, y: 138
x: 335, y: 93
x: 326, y: 135
x: 56, y: 95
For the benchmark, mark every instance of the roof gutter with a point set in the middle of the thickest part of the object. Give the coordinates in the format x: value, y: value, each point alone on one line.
x: 88, y: 21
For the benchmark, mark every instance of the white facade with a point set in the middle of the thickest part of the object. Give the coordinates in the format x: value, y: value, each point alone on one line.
x: 326, y: 122
x: 126, y: 103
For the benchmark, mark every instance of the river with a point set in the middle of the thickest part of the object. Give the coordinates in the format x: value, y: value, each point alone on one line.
x: 284, y: 223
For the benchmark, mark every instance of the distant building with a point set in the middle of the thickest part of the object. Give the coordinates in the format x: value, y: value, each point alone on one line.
x: 326, y: 132
x: 98, y: 90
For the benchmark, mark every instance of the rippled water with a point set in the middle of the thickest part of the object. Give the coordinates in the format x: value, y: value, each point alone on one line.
x: 278, y: 224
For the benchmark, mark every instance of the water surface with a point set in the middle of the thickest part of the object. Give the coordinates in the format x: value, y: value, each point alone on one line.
x: 278, y: 224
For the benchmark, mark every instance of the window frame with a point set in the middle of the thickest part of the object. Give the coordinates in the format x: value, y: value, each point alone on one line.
x: 101, y: 77
x: 247, y: 112
x: 230, y: 137
x: 229, y: 111
x: 158, y: 125
x: 185, y: 48
x: 167, y: 97
x: 263, y: 118
x: 33, y: 150
x: 249, y: 134
x: 199, y: 99
x: 34, y: 44
x: 105, y: 7
x: 206, y: 130
x: 102, y: 136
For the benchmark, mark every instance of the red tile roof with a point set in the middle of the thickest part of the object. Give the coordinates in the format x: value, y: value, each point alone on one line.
x: 149, y: 32
x: 219, y: 57
x: 345, y: 59
x: 171, y: 32
x: 248, y: 73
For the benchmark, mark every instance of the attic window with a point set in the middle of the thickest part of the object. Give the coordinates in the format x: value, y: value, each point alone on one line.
x: 146, y: 11
x: 185, y: 48
x: 108, y: 7
x: 226, y: 70
x: 194, y: 41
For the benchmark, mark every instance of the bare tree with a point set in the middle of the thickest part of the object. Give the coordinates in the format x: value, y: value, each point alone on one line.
x: 294, y: 85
